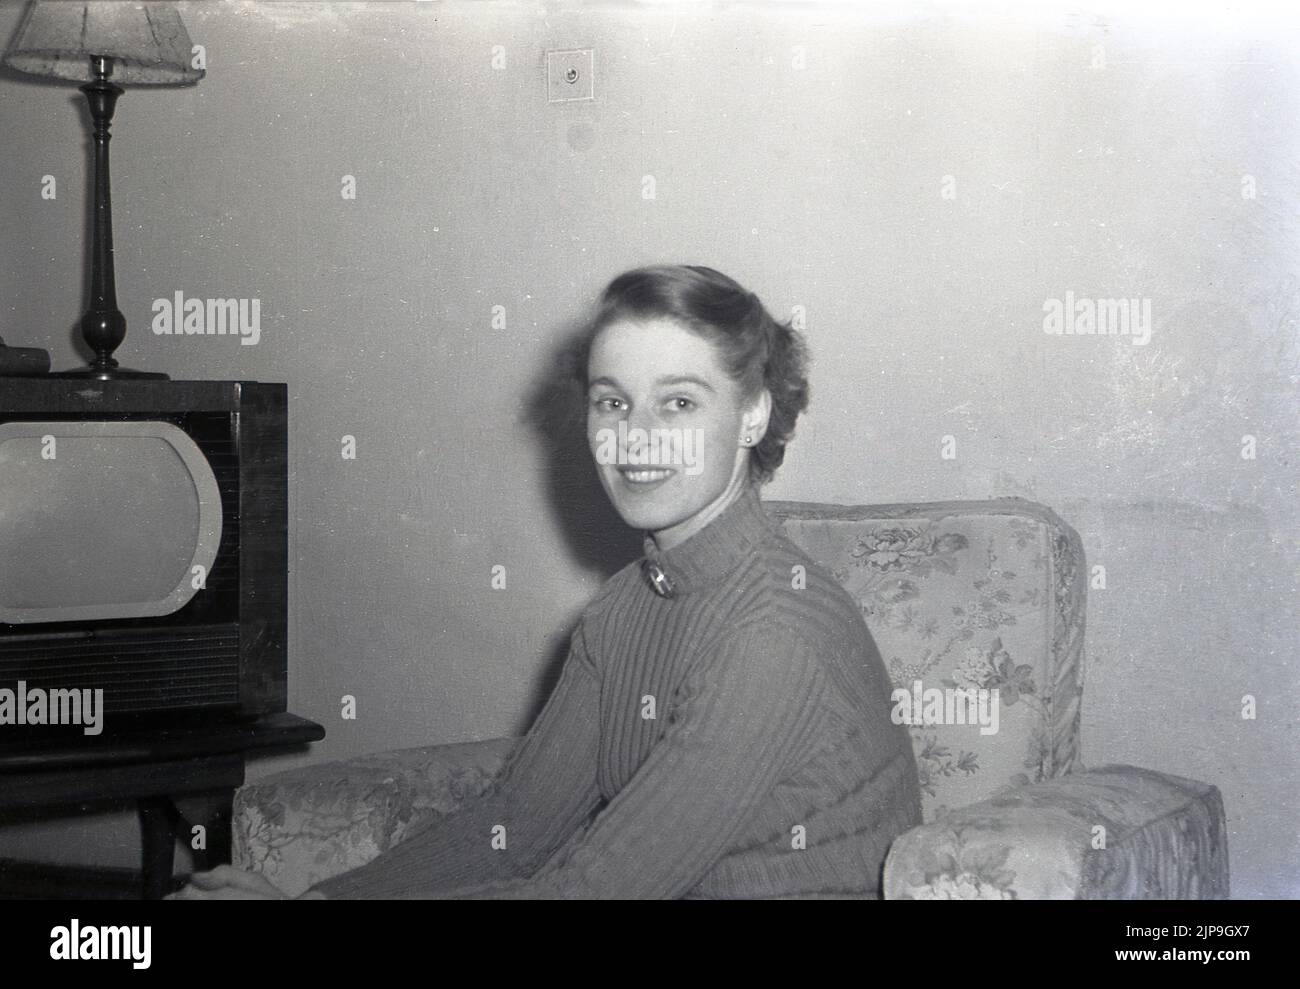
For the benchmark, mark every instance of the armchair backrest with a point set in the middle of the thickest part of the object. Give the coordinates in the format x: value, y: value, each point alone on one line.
x: 965, y: 598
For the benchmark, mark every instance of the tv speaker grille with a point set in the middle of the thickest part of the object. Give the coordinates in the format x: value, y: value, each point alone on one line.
x: 196, y: 667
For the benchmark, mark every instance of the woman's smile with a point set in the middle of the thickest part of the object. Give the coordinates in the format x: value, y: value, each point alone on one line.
x: 644, y: 479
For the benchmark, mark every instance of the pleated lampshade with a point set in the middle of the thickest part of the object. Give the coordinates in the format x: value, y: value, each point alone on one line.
x: 146, y: 40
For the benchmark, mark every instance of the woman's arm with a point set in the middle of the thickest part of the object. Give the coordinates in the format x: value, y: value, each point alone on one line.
x: 545, y: 791
x: 750, y: 713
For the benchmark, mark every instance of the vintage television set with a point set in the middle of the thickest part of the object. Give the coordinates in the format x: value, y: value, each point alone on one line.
x: 144, y: 546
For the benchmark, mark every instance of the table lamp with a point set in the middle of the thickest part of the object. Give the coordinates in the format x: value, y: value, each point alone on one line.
x: 133, y: 42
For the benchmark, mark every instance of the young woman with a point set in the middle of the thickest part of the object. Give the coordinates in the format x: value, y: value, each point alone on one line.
x: 721, y: 728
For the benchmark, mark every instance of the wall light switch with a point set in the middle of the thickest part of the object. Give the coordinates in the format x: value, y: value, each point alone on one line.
x: 570, y: 75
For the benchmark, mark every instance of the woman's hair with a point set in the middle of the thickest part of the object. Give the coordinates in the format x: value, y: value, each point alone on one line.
x: 756, y: 350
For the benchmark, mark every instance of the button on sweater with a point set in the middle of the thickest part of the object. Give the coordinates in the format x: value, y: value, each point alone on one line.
x: 729, y: 740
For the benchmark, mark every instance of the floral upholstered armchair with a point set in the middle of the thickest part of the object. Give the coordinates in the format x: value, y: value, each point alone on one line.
x: 987, y: 595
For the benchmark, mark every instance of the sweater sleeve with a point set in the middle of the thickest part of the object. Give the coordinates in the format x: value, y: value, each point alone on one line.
x: 747, y: 715
x: 541, y: 796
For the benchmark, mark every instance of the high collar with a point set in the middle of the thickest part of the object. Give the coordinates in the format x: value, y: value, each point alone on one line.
x: 715, y: 550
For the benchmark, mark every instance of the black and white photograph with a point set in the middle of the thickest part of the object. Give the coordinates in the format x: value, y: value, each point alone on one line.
x: 631, y: 450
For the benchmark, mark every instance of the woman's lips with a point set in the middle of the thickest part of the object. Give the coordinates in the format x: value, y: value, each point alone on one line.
x: 644, y: 478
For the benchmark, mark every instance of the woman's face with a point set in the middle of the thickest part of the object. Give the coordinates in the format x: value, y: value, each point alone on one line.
x: 665, y: 423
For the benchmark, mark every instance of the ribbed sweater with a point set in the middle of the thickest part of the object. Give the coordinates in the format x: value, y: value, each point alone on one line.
x: 730, y: 741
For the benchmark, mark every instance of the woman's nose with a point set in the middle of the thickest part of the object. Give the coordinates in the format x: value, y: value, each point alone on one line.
x: 639, y: 432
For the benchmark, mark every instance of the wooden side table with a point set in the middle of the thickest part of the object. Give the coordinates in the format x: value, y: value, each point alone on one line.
x: 179, y: 775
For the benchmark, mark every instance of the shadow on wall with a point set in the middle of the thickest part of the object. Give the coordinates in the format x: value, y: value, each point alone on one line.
x: 597, y: 538
x: 77, y: 108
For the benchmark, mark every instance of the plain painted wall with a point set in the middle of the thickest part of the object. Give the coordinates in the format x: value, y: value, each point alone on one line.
x: 918, y: 183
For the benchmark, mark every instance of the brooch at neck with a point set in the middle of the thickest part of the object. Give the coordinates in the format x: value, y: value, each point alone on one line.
x: 658, y: 579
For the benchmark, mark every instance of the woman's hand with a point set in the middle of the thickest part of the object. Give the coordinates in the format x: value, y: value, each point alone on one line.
x: 225, y: 882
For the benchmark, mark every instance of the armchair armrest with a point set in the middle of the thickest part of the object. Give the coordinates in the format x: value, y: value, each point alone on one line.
x: 300, y: 827
x: 1117, y: 832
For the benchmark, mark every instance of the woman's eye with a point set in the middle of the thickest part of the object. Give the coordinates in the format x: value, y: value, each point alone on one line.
x: 681, y: 404
x: 608, y: 404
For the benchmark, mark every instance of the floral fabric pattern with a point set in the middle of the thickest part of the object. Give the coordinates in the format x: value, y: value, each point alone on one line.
x: 303, y: 826
x: 1117, y: 832
x: 962, y: 596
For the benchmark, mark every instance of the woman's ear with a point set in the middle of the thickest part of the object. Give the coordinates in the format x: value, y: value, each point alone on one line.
x: 757, y: 415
